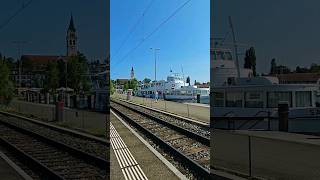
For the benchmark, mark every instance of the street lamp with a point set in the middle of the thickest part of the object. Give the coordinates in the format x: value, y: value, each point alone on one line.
x: 155, y: 70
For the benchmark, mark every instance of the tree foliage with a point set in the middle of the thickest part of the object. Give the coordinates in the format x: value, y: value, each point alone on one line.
x: 273, y: 66
x: 112, y: 87
x: 77, y: 73
x: 250, y: 60
x: 6, y: 86
x: 131, y: 84
x: 52, y: 77
x: 146, y: 80
x: 188, y: 80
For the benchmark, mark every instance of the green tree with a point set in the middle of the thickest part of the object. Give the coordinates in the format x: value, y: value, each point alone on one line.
x: 188, y: 80
x: 6, y: 86
x: 315, y: 68
x: 146, y: 80
x: 112, y: 87
x: 52, y: 77
x: 77, y: 74
x: 250, y: 60
x: 273, y: 66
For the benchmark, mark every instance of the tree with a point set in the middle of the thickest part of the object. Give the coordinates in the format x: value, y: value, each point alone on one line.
x: 315, y: 68
x: 77, y: 73
x: 6, y: 86
x: 196, y: 82
x: 250, y: 60
x: 146, y: 80
x: 112, y: 88
x: 62, y: 72
x: 131, y: 84
x: 52, y: 77
x: 188, y: 80
x: 273, y: 66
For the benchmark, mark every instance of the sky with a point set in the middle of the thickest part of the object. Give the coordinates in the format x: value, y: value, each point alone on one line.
x: 184, y: 41
x: 43, y: 24
x: 288, y: 30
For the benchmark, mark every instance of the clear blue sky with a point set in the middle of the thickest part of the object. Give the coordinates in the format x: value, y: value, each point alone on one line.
x: 44, y: 25
x: 288, y: 30
x: 184, y: 40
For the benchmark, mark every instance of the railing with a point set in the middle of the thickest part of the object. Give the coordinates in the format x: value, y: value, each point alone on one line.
x: 231, y: 118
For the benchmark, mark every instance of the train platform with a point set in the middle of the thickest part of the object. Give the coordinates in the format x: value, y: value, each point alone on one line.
x: 133, y: 158
x: 10, y: 171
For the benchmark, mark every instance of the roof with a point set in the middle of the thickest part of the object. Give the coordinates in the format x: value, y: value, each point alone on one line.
x: 41, y: 59
x: 299, y: 78
x: 71, y: 25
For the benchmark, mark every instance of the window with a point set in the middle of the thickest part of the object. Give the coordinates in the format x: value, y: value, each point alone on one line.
x: 218, y: 99
x: 303, y: 99
x: 275, y: 97
x: 234, y: 99
x: 254, y: 99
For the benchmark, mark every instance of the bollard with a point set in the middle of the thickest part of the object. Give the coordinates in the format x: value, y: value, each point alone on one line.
x: 59, y: 110
x: 283, y: 112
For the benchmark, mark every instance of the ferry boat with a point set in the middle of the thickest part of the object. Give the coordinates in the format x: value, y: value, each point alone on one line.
x: 248, y: 96
x: 174, y: 88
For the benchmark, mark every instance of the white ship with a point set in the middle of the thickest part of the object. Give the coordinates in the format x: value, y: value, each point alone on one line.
x: 248, y: 96
x: 174, y: 88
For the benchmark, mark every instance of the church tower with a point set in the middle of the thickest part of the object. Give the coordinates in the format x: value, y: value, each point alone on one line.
x: 132, y: 73
x: 71, y: 39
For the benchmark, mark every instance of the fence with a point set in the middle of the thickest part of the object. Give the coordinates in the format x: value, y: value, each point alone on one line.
x: 266, y: 154
x: 198, y: 112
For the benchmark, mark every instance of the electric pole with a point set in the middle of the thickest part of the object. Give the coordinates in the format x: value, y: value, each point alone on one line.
x: 155, y: 69
x: 20, y: 45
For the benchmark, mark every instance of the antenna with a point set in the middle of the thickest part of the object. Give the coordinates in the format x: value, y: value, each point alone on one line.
x: 235, y: 46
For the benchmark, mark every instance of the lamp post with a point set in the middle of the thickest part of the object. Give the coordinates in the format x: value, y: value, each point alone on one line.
x: 155, y: 70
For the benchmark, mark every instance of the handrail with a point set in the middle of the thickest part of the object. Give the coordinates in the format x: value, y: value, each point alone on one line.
x: 225, y: 115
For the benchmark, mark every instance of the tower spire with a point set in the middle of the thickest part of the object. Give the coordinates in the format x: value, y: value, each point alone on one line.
x: 71, y: 24
x: 72, y: 39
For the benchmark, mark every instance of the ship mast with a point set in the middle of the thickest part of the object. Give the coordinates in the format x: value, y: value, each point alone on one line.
x: 235, y: 46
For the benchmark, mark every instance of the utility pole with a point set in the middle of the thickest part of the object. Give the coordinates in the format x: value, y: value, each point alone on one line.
x: 155, y: 69
x: 20, y: 45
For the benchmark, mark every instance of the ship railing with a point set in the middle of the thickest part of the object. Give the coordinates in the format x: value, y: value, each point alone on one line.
x: 232, y: 117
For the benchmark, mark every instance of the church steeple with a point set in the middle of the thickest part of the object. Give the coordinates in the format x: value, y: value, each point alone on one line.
x: 71, y: 39
x: 71, y: 25
x: 132, y: 73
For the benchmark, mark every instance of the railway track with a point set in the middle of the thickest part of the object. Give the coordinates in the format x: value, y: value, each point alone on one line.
x: 50, y: 152
x: 185, y: 142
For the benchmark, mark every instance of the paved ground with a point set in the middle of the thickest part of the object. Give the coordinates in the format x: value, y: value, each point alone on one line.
x: 153, y: 167
x: 7, y: 172
x: 115, y: 170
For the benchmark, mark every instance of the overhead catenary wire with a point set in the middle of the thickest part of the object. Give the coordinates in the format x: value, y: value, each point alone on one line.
x: 24, y: 5
x: 133, y: 29
x: 151, y: 33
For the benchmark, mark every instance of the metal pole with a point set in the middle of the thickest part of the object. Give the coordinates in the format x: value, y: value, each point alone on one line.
x: 235, y: 46
x: 155, y: 70
x: 250, y: 158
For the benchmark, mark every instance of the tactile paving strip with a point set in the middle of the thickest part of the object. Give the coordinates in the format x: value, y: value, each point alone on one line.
x: 129, y: 166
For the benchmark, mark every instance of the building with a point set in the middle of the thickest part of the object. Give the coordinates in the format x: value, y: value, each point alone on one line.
x: 72, y: 39
x: 132, y: 73
x: 32, y: 70
x: 299, y: 78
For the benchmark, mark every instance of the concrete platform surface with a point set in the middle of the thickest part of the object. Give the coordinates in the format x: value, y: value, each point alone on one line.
x: 152, y: 166
x: 10, y: 171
